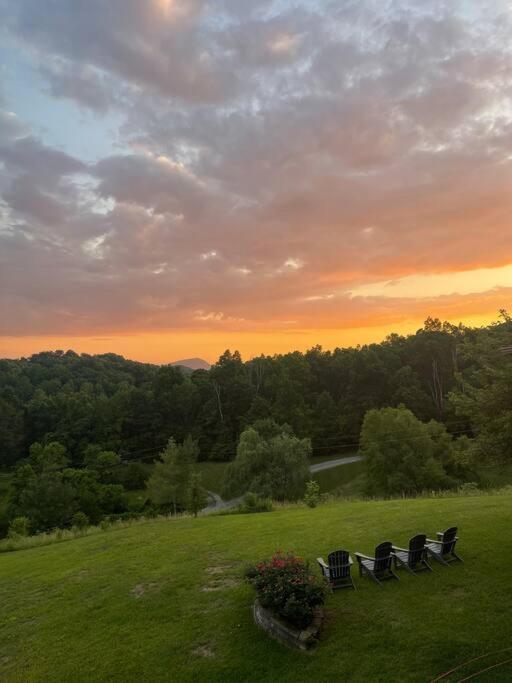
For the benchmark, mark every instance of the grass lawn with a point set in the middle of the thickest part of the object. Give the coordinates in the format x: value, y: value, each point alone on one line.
x: 164, y: 600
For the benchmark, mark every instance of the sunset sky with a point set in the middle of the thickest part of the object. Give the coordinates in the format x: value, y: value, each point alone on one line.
x: 178, y: 177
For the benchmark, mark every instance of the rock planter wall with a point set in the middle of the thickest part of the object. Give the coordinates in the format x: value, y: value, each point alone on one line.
x: 285, y: 633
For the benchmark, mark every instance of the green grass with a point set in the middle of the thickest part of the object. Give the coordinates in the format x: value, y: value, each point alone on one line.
x: 163, y: 600
x: 495, y: 476
x: 212, y: 475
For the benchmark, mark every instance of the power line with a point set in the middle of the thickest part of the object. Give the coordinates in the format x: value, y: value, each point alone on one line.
x: 355, y: 444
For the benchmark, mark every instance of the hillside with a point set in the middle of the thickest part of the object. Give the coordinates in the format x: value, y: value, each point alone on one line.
x: 164, y: 600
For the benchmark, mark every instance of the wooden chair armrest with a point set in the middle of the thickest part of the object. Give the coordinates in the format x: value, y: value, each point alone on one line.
x: 324, y: 567
x: 350, y: 560
x: 403, y: 550
x: 431, y: 540
x: 364, y: 557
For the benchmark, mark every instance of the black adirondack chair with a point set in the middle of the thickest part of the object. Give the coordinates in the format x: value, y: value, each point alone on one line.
x: 415, y: 558
x: 443, y: 549
x: 337, y: 569
x: 378, y: 568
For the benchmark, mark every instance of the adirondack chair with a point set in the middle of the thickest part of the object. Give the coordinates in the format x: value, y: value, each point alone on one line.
x: 378, y: 568
x: 415, y: 558
x: 443, y: 549
x: 337, y: 569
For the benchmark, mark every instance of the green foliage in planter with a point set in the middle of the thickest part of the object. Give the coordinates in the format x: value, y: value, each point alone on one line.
x: 284, y: 584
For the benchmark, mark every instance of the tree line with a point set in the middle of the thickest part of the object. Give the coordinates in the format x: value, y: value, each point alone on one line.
x: 453, y: 374
x: 95, y: 414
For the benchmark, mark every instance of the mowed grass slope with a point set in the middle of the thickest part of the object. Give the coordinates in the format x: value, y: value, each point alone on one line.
x: 164, y: 600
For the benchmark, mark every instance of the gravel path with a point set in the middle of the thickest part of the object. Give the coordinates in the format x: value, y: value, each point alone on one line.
x: 334, y: 463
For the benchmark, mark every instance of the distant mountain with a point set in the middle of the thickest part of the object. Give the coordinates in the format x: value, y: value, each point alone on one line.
x: 192, y: 363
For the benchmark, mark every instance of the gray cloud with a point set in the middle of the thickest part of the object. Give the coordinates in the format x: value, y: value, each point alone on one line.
x: 81, y: 83
x: 139, y: 41
x: 29, y: 155
x: 275, y: 156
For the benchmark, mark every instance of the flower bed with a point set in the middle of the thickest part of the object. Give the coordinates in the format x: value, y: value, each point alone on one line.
x: 288, y: 591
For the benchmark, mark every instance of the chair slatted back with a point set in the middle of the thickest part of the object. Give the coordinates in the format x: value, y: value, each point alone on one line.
x: 449, y: 540
x: 416, y: 549
x: 382, y: 557
x: 339, y: 565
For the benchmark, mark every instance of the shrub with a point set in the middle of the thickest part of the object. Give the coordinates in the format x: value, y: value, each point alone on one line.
x: 284, y: 585
x: 312, y: 497
x: 80, y: 521
x: 469, y: 488
x: 254, y: 503
x: 18, y: 527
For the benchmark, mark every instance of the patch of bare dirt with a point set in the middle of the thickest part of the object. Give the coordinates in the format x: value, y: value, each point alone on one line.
x: 203, y: 651
x: 220, y: 584
x: 82, y: 574
x: 220, y: 569
x: 142, y: 589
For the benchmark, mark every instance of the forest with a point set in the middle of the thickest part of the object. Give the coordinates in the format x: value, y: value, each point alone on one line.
x: 89, y: 413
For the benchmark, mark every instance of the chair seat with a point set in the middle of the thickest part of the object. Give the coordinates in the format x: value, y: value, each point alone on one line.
x: 402, y: 556
x: 436, y: 547
x: 370, y: 564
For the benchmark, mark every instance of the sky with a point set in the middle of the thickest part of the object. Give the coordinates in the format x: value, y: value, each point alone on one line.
x: 178, y: 177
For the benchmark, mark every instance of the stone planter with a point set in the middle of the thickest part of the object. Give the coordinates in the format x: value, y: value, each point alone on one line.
x: 284, y: 632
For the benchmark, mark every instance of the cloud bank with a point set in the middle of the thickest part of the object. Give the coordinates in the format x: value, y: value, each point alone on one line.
x: 276, y: 160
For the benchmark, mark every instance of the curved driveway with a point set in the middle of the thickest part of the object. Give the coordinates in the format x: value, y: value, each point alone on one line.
x: 217, y: 503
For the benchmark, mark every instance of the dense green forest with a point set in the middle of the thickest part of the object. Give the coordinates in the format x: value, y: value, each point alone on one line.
x: 91, y: 412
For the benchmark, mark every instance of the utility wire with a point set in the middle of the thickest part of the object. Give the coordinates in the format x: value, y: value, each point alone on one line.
x: 354, y: 444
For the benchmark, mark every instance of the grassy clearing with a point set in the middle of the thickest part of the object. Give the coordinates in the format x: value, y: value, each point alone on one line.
x: 212, y: 475
x: 164, y: 601
x: 340, y: 476
x: 495, y: 476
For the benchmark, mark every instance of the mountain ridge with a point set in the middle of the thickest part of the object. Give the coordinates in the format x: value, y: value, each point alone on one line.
x: 193, y: 363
